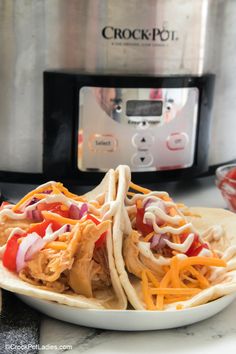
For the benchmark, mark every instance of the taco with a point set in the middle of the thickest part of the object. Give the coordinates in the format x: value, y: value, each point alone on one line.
x: 169, y: 256
x: 64, y: 252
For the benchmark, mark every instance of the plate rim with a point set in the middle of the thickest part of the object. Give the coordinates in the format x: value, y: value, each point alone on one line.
x: 230, y: 297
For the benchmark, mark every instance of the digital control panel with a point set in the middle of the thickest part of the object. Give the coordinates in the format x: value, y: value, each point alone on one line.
x: 149, y: 129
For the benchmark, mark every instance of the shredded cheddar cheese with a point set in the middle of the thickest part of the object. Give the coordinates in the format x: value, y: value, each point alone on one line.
x: 65, y: 191
x: 176, y: 285
x: 147, y: 296
x: 48, y: 215
x: 29, y: 195
x: 174, y: 291
x: 56, y: 245
x: 139, y: 204
x: 139, y: 188
x: 148, y: 236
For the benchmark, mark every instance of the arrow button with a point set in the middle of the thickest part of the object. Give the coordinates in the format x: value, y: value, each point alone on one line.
x: 143, y: 141
x: 142, y: 159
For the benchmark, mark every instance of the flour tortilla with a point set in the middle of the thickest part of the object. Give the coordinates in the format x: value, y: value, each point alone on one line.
x: 114, y: 298
x: 207, y: 218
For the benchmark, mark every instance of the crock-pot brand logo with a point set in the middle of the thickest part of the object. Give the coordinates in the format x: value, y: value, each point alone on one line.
x: 148, y: 34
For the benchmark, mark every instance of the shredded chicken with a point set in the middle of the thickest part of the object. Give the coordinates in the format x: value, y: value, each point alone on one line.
x: 48, y: 264
x: 80, y: 267
x: 102, y: 279
x: 131, y: 254
x: 135, y: 262
x: 85, y: 270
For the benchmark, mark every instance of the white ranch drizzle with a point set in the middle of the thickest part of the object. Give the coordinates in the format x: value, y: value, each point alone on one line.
x: 157, y: 211
x: 165, y: 229
x: 113, y: 206
x: 145, y: 250
x: 214, y: 232
x: 228, y: 256
x: 131, y: 201
x: 52, y: 236
x: 12, y: 215
x: 16, y: 230
x: 55, y: 198
x: 47, y: 184
x: 229, y: 253
x: 8, y: 206
x: 154, y: 210
x: 205, y: 252
x: 109, y: 208
x: 182, y: 247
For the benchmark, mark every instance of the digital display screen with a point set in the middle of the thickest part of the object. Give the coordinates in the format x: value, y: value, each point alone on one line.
x: 144, y: 108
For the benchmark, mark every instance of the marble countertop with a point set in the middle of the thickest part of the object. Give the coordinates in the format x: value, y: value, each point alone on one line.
x: 215, y: 335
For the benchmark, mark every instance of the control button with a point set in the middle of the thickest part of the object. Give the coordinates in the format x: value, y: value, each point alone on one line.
x: 177, y: 141
x: 102, y: 143
x: 143, y: 141
x: 142, y: 159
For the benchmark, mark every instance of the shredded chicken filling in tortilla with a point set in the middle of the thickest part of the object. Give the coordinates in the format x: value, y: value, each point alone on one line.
x: 80, y: 268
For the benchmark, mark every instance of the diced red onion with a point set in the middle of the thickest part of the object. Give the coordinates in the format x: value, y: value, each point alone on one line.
x: 74, y: 212
x: 37, y: 215
x: 148, y: 202
x: 155, y: 240
x: 36, y: 247
x: 162, y: 242
x: 24, y: 246
x: 32, y: 244
x: 41, y: 242
x: 68, y: 228
x: 77, y: 213
x: 34, y: 215
x: 29, y: 214
x: 83, y: 210
x: 33, y: 201
x: 159, y: 204
x: 47, y: 192
x: 159, y: 244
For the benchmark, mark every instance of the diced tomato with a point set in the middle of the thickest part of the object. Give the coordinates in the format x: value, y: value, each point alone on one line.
x: 145, y: 229
x: 227, y: 184
x: 196, y: 251
x: 205, y: 245
x: 9, y: 256
x: 3, y: 205
x: 102, y: 238
x: 183, y: 237
x: 195, y: 247
x: 53, y: 207
x: 228, y: 179
x: 40, y: 228
x: 231, y: 174
x: 47, y: 206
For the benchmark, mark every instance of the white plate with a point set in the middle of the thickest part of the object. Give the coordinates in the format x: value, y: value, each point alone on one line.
x: 128, y: 320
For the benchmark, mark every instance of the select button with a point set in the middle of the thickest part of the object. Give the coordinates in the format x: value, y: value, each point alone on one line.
x: 102, y: 143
